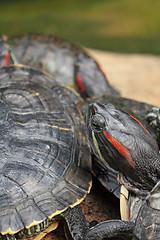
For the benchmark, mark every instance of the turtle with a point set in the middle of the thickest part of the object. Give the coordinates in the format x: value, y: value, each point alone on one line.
x: 70, y: 64
x: 101, y: 73
x: 125, y: 144
x: 102, y: 171
x: 46, y: 159
x: 46, y: 167
x: 43, y: 168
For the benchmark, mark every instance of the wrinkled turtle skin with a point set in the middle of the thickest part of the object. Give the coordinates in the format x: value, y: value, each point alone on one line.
x: 148, y: 220
x: 45, y: 162
x: 68, y: 63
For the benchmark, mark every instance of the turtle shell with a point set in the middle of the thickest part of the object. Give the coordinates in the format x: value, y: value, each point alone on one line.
x: 48, y: 53
x: 68, y: 63
x: 45, y: 163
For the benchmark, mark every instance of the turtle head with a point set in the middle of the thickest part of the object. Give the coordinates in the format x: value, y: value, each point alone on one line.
x: 120, y: 140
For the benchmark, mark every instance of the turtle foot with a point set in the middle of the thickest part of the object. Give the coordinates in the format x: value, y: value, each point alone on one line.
x: 153, y: 118
x: 111, y: 229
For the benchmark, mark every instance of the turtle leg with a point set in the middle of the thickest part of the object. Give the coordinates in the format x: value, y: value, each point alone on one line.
x: 77, y: 224
x: 79, y: 228
x: 112, y: 229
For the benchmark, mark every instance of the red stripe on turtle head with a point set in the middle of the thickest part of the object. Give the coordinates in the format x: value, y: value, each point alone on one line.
x: 139, y: 123
x: 80, y: 82
x: 101, y: 71
x: 120, y: 148
x: 6, y: 60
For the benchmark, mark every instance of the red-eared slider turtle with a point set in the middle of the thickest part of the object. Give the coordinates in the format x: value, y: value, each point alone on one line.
x: 107, y: 229
x: 137, y: 109
x: 119, y: 139
x: 68, y: 63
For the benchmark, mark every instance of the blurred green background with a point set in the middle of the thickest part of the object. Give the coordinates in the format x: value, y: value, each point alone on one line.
x: 128, y: 26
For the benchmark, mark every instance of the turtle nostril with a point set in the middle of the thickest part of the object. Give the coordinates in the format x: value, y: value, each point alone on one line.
x: 92, y: 109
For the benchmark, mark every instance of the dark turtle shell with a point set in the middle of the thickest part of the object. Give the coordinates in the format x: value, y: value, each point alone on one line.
x: 45, y: 163
x: 68, y: 63
x: 48, y: 53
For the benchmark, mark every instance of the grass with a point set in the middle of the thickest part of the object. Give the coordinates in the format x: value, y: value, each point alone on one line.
x: 114, y: 25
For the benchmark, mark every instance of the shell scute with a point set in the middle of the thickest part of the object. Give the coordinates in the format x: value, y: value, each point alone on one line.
x: 10, y: 221
x: 10, y: 192
x: 48, y: 203
x: 30, y: 213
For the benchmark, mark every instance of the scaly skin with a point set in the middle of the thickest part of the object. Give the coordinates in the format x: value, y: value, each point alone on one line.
x: 126, y: 146
x: 120, y: 140
x: 147, y: 222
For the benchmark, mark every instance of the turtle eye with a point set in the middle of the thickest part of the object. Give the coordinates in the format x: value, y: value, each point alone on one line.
x: 98, y: 121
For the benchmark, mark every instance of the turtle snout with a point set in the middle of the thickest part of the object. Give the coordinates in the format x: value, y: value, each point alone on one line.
x: 96, y: 107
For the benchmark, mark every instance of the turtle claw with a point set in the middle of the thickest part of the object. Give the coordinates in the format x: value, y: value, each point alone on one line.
x: 153, y: 118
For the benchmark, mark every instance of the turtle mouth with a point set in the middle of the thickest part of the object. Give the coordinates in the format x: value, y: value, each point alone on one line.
x: 129, y: 205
